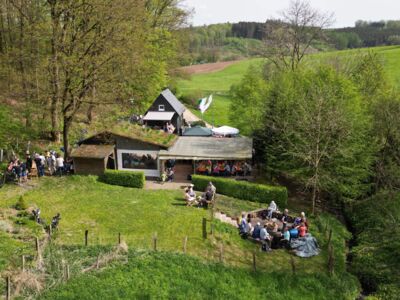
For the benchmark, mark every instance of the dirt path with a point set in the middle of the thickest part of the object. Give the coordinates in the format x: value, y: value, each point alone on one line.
x: 207, y: 68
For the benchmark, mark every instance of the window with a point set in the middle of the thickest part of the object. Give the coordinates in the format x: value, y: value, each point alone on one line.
x: 139, y: 161
x: 161, y: 107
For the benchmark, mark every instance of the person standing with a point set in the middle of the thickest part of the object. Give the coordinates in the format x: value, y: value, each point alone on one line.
x: 60, y: 164
x: 271, y: 209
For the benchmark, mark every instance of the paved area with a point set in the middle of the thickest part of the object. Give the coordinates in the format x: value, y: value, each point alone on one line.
x: 156, y: 185
x: 191, y: 117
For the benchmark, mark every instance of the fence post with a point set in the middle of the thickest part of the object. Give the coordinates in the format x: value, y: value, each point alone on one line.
x: 204, y: 228
x: 254, y: 262
x: 331, y: 260
x: 23, y: 263
x: 155, y: 242
x: 67, y: 269
x: 86, y: 237
x: 184, y: 244
x: 221, y: 253
x: 119, y: 238
x: 330, y: 237
x: 98, y: 261
x: 37, y: 246
x: 8, y: 288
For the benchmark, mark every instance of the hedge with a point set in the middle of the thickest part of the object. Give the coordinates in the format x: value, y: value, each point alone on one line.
x: 244, y: 190
x: 123, y: 178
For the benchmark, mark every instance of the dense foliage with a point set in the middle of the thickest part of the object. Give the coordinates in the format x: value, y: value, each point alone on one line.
x: 375, y: 255
x: 123, y: 178
x: 244, y: 190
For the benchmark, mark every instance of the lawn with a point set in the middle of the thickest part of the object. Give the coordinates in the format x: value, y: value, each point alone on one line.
x: 104, y: 210
x: 219, y: 83
x: 174, y: 276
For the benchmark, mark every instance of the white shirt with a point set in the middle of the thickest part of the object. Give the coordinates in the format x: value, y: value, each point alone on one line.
x: 60, y: 162
x: 264, y: 234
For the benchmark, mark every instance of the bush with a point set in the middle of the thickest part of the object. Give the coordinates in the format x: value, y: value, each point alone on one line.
x: 244, y: 190
x: 21, y: 204
x: 123, y: 178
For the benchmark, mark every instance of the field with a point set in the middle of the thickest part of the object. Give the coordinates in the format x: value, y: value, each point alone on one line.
x: 86, y: 204
x: 219, y: 83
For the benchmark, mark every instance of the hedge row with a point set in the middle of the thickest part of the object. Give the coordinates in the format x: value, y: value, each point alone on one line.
x: 124, y: 178
x: 244, y: 190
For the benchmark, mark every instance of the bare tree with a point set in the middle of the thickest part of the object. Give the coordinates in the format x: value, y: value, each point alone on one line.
x: 290, y: 38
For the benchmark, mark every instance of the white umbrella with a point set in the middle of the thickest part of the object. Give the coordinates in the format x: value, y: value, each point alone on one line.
x: 225, y: 130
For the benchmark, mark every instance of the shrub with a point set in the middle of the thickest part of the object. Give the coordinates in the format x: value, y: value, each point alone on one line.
x: 123, y: 178
x: 21, y: 204
x: 244, y: 190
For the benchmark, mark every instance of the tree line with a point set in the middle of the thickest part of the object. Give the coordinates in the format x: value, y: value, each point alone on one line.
x: 64, y: 61
x: 331, y: 129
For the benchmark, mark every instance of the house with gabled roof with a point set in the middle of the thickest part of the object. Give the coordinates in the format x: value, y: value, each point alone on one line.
x: 165, y: 109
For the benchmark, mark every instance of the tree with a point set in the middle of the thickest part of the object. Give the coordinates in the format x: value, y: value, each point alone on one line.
x: 247, y: 101
x: 289, y: 39
x: 317, y: 133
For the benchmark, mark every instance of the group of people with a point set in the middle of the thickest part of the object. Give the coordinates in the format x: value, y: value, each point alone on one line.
x: 37, y: 164
x: 275, y: 232
x: 224, y: 168
x: 204, y: 200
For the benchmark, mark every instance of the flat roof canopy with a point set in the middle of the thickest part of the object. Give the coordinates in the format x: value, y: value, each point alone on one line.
x: 92, y: 151
x: 158, y: 116
x: 199, y: 148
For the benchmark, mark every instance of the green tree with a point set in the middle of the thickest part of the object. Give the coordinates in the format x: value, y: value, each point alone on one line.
x: 317, y: 132
x: 247, y: 101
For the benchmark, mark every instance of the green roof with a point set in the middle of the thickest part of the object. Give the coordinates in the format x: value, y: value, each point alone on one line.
x: 197, y: 131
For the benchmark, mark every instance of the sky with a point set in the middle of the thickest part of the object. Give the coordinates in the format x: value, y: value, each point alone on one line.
x: 346, y: 11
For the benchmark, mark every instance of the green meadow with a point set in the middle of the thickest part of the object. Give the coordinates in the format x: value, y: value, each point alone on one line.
x: 140, y: 215
x: 219, y: 83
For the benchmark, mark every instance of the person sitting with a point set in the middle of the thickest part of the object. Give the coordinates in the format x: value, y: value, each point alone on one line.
x: 227, y: 170
x: 285, y: 241
x: 271, y: 209
x: 256, y: 231
x: 247, y: 169
x: 215, y: 171
x: 302, y: 229
x: 304, y: 219
x: 284, y: 218
x: 190, y: 196
x: 243, y: 226
x: 206, y: 198
x: 264, y: 235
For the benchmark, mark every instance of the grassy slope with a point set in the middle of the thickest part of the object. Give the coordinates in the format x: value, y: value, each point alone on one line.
x: 175, y: 276
x: 220, y: 82
x: 106, y: 210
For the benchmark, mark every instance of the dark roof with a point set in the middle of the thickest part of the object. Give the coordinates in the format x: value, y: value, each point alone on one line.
x: 197, y: 131
x: 175, y: 103
x: 92, y: 151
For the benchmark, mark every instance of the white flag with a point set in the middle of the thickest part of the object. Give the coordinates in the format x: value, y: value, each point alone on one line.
x: 206, y: 105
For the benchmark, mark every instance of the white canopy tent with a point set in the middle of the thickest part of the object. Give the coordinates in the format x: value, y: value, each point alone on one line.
x: 225, y: 130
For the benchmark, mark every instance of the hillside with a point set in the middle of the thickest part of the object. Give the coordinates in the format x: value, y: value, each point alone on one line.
x: 219, y: 83
x: 139, y: 215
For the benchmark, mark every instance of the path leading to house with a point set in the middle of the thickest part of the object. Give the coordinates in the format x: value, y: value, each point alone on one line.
x: 191, y: 117
x: 207, y: 68
x: 157, y: 185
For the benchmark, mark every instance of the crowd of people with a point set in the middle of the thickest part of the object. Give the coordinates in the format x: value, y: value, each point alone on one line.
x: 277, y: 229
x: 39, y: 164
x: 224, y: 168
x: 203, y: 200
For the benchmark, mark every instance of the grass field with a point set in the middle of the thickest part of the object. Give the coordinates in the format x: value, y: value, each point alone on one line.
x: 104, y: 210
x: 219, y: 83
x: 175, y: 276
